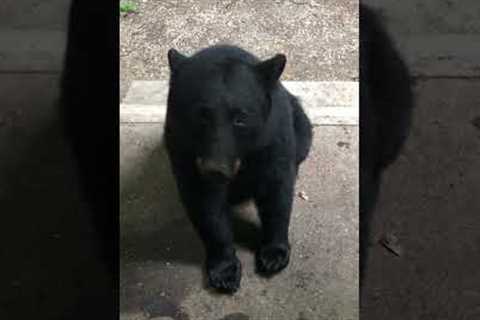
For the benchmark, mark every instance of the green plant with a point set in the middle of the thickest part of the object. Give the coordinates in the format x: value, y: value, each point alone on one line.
x: 128, y: 6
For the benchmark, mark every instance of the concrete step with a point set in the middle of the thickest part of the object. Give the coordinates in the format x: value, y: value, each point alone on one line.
x: 326, y: 103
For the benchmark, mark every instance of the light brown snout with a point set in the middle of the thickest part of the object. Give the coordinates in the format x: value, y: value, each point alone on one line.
x: 218, y: 167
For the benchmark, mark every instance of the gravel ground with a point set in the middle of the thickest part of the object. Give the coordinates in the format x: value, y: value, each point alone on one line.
x: 320, y: 38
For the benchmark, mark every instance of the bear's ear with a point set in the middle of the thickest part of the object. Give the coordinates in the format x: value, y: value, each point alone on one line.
x: 270, y: 70
x: 175, y: 59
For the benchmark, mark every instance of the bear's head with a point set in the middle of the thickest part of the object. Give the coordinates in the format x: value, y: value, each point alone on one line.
x: 219, y: 105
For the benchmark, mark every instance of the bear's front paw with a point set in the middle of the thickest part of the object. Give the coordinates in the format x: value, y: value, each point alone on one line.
x: 225, y: 275
x: 271, y: 259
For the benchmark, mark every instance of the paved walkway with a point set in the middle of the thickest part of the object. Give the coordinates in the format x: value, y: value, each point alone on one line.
x: 161, y: 259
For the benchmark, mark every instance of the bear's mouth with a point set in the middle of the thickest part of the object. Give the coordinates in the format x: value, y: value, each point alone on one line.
x: 216, y: 178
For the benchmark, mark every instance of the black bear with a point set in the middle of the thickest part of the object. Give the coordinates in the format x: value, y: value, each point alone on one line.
x: 234, y: 133
x: 386, y: 102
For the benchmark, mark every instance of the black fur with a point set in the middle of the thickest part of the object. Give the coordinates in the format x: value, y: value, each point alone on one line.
x: 233, y: 133
x: 386, y: 101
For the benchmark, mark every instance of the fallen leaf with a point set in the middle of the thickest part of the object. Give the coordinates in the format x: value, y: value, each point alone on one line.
x: 303, y: 195
x: 390, y: 242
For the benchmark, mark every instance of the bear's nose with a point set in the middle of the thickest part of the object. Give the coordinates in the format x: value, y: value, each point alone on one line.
x: 209, y: 166
x: 216, y: 167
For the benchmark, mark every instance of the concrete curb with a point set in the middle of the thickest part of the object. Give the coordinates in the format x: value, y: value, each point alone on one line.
x: 318, y: 115
x: 326, y: 103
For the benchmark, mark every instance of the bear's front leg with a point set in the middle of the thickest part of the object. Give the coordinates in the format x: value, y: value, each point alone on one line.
x: 207, y: 210
x: 274, y: 203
